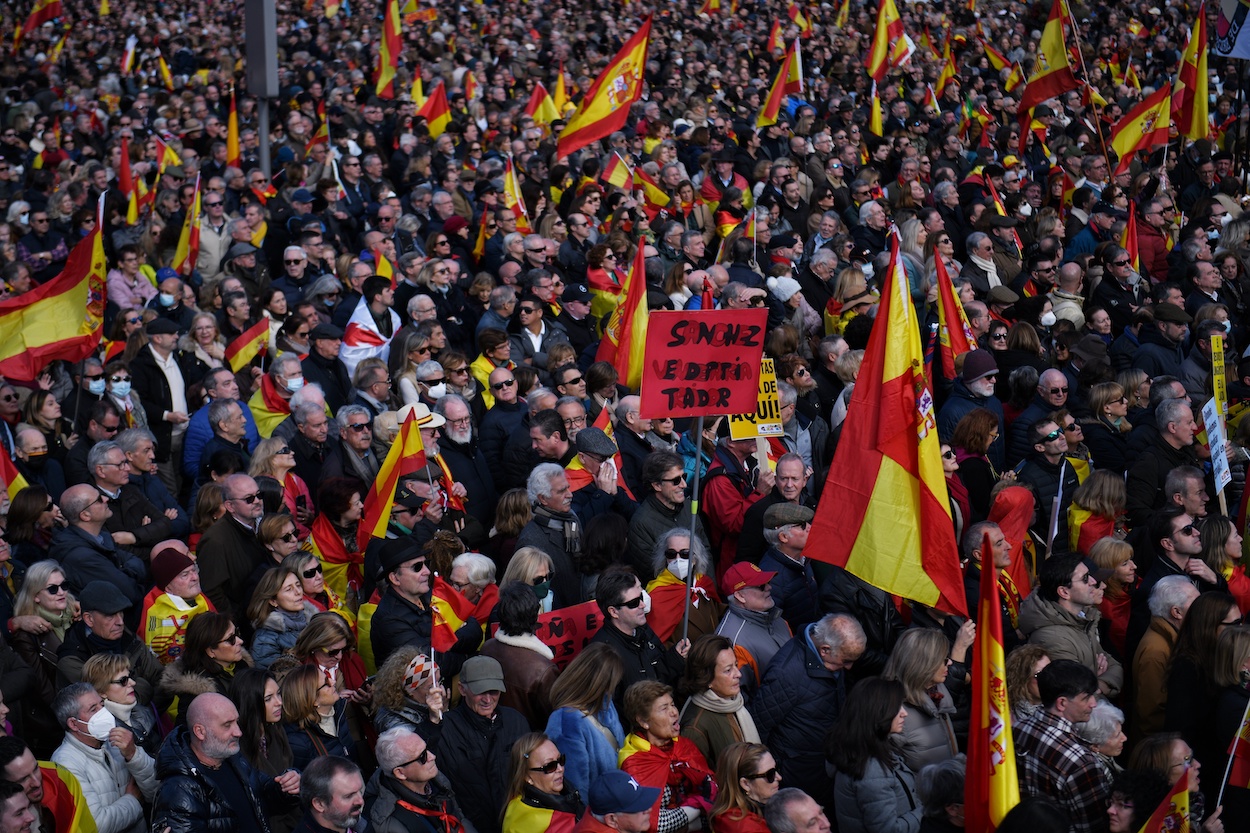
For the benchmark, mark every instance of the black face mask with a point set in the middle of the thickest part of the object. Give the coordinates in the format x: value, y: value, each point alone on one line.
x: 37, y: 461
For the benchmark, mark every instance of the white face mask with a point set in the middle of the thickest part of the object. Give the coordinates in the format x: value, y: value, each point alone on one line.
x: 1048, y: 319
x: 679, y: 567
x: 100, y: 724
x: 646, y: 601
x: 437, y: 391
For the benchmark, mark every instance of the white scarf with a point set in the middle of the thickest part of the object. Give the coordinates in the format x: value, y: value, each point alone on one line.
x: 990, y: 268
x: 713, y: 702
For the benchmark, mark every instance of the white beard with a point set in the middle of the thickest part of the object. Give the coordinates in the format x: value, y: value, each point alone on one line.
x: 457, y: 436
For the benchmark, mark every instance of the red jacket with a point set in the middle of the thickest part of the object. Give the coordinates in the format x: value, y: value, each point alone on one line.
x: 727, y: 495
x: 736, y: 821
x: 589, y: 824
x: 1152, y: 248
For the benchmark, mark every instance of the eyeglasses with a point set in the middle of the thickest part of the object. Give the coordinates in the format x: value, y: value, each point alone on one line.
x: 673, y: 554
x: 632, y: 604
x: 359, y: 427
x: 1053, y: 435
x: 423, y: 759
x: 311, y: 571
x: 506, y: 383
x: 1056, y: 391
x: 1185, y: 761
x: 248, y: 499
x: 551, y: 766
x: 122, y: 680
x: 135, y: 320
x: 231, y: 638
x: 123, y: 464
x: 55, y: 589
x: 769, y: 775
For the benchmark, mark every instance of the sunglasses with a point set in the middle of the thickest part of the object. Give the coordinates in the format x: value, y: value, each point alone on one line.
x: 551, y: 766
x: 507, y: 383
x: 119, y: 378
x: 1056, y: 391
x: 769, y: 775
x: 358, y: 427
x: 999, y: 336
x: 283, y: 450
x: 232, y: 638
x: 673, y: 554
x: 248, y: 499
x: 537, y: 580
x: 423, y: 759
x: 122, y: 680
x: 1053, y: 435
x: 948, y: 455
x: 1121, y: 262
x: 333, y: 652
x: 1189, y: 529
x: 295, y: 261
x: 55, y: 589
x: 673, y: 481
x: 10, y: 397
x: 632, y: 604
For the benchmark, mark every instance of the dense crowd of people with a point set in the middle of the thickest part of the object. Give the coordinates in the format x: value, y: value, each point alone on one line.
x: 201, y: 637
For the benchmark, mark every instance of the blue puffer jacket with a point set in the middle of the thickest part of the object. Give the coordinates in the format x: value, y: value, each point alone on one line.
x: 278, y: 634
x: 588, y: 750
x: 794, y: 588
x: 794, y: 708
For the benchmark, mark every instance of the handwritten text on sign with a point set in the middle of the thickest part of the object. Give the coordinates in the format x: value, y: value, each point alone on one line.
x: 568, y: 630
x: 702, y: 362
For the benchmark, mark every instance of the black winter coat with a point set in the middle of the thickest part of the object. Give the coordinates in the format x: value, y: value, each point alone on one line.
x: 644, y: 656
x: 842, y: 592
x: 474, y: 754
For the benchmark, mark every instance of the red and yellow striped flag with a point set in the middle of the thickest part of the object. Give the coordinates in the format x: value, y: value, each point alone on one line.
x: 1191, y: 112
x: 62, y: 319
x: 126, y: 184
x: 1052, y: 74
x: 407, y: 453
x: 653, y: 196
x: 775, y: 41
x: 1172, y: 814
x: 876, y: 124
x: 14, y: 482
x: 884, y: 515
x: 616, y: 172
x: 383, y: 267
x: 997, y: 59
x: 799, y: 19
x: 165, y: 155
x: 472, y: 89
x: 451, y: 610
x: 1128, y: 240
x: 388, y: 50
x: 248, y: 345
x: 789, y: 80
x: 188, y: 250
x: 991, y: 787
x: 625, y: 336
x: 233, y: 156
x: 888, y: 47
x: 166, y: 78
x: 607, y: 102
x: 435, y: 111
x: 479, y: 245
x: 41, y: 13
x: 540, y: 106
x: 560, y: 95
x: 1145, y: 127
x: 1015, y: 78
x: 954, y: 332
x: 512, y: 198
x: 418, y: 91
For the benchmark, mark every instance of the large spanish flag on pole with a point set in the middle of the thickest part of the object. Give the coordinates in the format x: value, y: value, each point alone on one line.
x: 1143, y: 128
x: 1190, y: 104
x: 888, y: 49
x: 885, y: 514
x: 406, y: 454
x: 625, y: 336
x: 188, y: 250
x: 954, y: 332
x: 789, y: 80
x: 607, y: 102
x: 991, y: 787
x: 41, y: 13
x: 1052, y: 74
x: 62, y: 319
x: 388, y: 50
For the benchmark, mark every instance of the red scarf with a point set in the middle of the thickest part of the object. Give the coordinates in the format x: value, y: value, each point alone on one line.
x: 451, y: 824
x: 273, y: 400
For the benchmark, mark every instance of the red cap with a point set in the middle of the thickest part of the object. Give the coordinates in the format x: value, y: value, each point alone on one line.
x: 744, y: 574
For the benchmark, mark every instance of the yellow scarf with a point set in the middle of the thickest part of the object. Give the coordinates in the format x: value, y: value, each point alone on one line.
x: 259, y: 236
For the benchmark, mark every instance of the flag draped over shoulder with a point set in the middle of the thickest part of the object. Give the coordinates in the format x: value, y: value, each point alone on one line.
x: 362, y: 339
x: 625, y: 336
x: 991, y: 787
x: 885, y: 514
x: 62, y: 319
x: 607, y: 102
x: 341, y: 568
x: 1142, y: 128
x: 407, y: 453
x: 451, y: 610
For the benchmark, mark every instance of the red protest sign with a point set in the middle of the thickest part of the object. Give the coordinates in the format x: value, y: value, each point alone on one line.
x: 567, y: 630
x: 702, y: 363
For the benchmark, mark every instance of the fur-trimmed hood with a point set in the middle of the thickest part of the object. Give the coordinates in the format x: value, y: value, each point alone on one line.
x: 525, y: 640
x: 182, y: 682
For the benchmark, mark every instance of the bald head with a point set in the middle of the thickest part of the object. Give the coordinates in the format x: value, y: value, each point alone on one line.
x: 214, y: 725
x: 208, y: 707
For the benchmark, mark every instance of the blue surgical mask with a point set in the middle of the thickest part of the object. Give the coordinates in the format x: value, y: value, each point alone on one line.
x: 96, y: 386
x: 295, y: 384
x: 121, y: 389
x: 168, y: 300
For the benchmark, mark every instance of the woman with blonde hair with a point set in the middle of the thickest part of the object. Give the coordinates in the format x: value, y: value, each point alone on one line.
x: 584, y: 723
x: 1106, y: 433
x: 409, y: 351
x: 1116, y: 556
x: 1135, y: 384
x: 274, y: 458
x: 1097, y: 510
x: 533, y: 568
x: 1222, y: 552
x: 278, y: 612
x: 109, y: 674
x: 540, y: 797
x: 746, y: 777
x: 204, y: 340
x: 1023, y: 665
x: 920, y: 661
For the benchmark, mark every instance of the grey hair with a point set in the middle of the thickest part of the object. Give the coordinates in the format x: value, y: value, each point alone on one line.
x: 317, y: 777
x: 66, y: 703
x: 941, y: 784
x: 303, y: 411
x: 1101, y: 724
x: 481, y: 569
x: 836, y: 630
x: 975, y: 239
x: 828, y: 344
x: 218, y: 410
x: 387, y: 750
x: 824, y: 256
x: 99, y: 452
x: 942, y: 190
x: 540, y: 399
x: 311, y: 393
x: 348, y: 411
x: 416, y: 299
x: 866, y: 209
x: 1169, y: 411
x: 539, y: 482
x: 501, y: 296
x: 427, y: 369
x: 700, y: 564
x: 129, y: 439
x: 282, y: 361
x: 1168, y: 592
x: 777, y: 810
x: 787, y: 393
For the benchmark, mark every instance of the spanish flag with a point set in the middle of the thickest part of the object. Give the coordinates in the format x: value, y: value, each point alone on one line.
x: 653, y: 196
x: 435, y: 111
x: 451, y: 610
x: 1015, y: 78
x: 607, y: 102
x: 479, y: 245
x: 104, y: 8
x: 561, y: 95
x: 233, y: 155
x: 799, y: 19
x: 997, y: 59
x: 332, y: 7
x: 248, y: 345
x: 887, y: 42
x: 540, y: 105
x: 876, y: 124
x: 188, y: 250
x: 954, y: 332
x: 43, y: 11
x: 625, y: 336
x: 1130, y: 77
x: 382, y: 267
x: 128, y: 57
x: 1190, y: 112
x: 616, y: 172
x: 14, y: 482
x: 418, y: 93
x: 884, y: 514
x: 472, y: 90
x: 406, y: 454
x: 1145, y: 127
x: 948, y: 72
x: 166, y: 78
x: 708, y: 7
x: 782, y: 86
x: 512, y: 198
x: 1239, y: 749
x: 322, y: 134
x: 931, y: 99
x: 1052, y: 74
x: 126, y: 184
x: 341, y: 568
x: 991, y: 787
x: 62, y: 319
x: 775, y: 41
x: 1172, y: 814
x: 165, y: 155
x: 1128, y: 240
x: 844, y: 14
x: 388, y: 50
x: 63, y: 796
